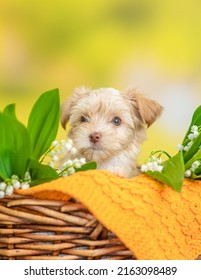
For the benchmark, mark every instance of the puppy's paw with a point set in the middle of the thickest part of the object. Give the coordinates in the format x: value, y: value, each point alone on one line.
x: 118, y: 171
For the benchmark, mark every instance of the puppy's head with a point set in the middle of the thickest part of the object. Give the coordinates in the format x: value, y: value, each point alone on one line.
x: 104, y: 122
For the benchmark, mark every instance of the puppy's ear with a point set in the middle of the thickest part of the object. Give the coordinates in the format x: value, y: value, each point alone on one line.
x: 146, y: 110
x: 69, y: 103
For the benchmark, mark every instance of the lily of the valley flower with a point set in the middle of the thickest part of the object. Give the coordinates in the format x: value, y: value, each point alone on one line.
x: 195, y: 131
x: 58, y: 151
x: 153, y: 164
x: 10, y: 184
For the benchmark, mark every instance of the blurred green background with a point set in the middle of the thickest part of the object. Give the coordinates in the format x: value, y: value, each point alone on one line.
x: 154, y: 46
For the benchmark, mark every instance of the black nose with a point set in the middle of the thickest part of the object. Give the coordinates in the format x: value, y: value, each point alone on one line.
x: 94, y: 137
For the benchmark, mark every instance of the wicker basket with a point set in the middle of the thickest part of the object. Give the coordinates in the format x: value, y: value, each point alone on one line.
x: 34, y: 229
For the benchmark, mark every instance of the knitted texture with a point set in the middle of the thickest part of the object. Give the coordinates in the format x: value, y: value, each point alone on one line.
x: 150, y: 218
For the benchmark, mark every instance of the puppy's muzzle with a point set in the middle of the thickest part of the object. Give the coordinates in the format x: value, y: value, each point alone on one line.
x: 94, y: 137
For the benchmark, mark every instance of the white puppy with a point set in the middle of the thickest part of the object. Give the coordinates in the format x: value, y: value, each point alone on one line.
x: 107, y: 126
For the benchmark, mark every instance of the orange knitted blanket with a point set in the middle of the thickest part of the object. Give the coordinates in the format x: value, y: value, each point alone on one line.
x: 150, y: 218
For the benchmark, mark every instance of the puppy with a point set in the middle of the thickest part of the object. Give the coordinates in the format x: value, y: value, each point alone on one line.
x: 107, y: 126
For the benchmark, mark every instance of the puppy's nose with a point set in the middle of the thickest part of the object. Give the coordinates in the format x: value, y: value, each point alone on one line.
x: 94, y: 137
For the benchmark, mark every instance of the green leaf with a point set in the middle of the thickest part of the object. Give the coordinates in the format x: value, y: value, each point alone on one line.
x: 43, y: 122
x: 197, y: 155
x: 10, y: 111
x: 193, y: 149
x: 198, y: 172
x: 87, y: 166
x: 15, y: 147
x: 196, y: 120
x: 172, y: 173
x: 41, y: 173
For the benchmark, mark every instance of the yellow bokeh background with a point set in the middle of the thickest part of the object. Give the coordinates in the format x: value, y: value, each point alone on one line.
x: 154, y: 46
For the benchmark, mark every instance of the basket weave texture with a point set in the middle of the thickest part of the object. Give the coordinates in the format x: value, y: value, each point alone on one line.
x: 150, y: 218
x: 37, y: 229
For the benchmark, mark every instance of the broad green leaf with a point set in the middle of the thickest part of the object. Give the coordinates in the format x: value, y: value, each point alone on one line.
x: 172, y: 173
x: 43, y: 122
x: 6, y: 159
x: 15, y: 147
x: 87, y: 166
x: 193, y: 149
x: 196, y: 120
x: 196, y: 156
x: 198, y: 171
x: 10, y: 111
x: 41, y: 173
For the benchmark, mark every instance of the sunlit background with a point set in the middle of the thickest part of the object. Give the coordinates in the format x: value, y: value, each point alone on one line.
x: 152, y: 45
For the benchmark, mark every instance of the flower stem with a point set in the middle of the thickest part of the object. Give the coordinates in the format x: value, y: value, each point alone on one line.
x: 46, y: 153
x: 161, y: 152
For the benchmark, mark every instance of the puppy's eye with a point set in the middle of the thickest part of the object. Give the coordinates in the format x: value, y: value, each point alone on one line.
x: 116, y: 121
x: 84, y: 119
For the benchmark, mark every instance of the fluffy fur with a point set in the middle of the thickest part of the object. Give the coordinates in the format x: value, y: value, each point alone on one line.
x: 107, y: 126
